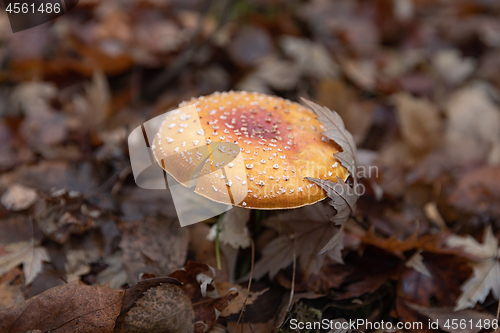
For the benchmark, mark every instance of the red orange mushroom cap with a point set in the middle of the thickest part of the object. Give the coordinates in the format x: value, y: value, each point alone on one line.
x: 247, y: 149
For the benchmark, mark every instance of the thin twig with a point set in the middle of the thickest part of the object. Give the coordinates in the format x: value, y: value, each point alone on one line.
x: 292, y: 290
x: 249, y: 286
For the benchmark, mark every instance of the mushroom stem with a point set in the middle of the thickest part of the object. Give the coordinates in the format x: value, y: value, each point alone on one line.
x: 217, y: 248
x: 259, y: 218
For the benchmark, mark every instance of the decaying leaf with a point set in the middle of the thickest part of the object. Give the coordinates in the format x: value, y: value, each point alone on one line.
x: 136, y: 291
x: 62, y: 214
x: 68, y: 308
x: 27, y: 253
x: 164, y: 308
x: 486, y: 268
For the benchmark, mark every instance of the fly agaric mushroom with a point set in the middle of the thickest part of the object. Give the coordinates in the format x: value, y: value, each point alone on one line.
x: 248, y: 149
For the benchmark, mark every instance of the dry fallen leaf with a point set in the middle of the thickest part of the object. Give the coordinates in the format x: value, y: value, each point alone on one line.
x: 343, y: 196
x: 420, y: 122
x: 153, y: 245
x: 313, y: 58
x: 473, y: 126
x: 164, y: 308
x: 358, y: 115
x: 11, y: 292
x: 32, y: 98
x: 63, y: 214
x: 478, y: 192
x: 244, y: 297
x: 308, y: 236
x: 361, y: 72
x: 416, y: 262
x: 278, y: 73
x: 27, y: 253
x: 68, y: 308
x: 19, y: 197
x: 486, y: 268
x: 452, y: 67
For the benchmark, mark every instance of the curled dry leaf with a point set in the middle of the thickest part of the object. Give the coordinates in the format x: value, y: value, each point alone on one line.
x: 343, y: 196
x: 67, y: 308
x: 336, y: 131
x: 343, y: 200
